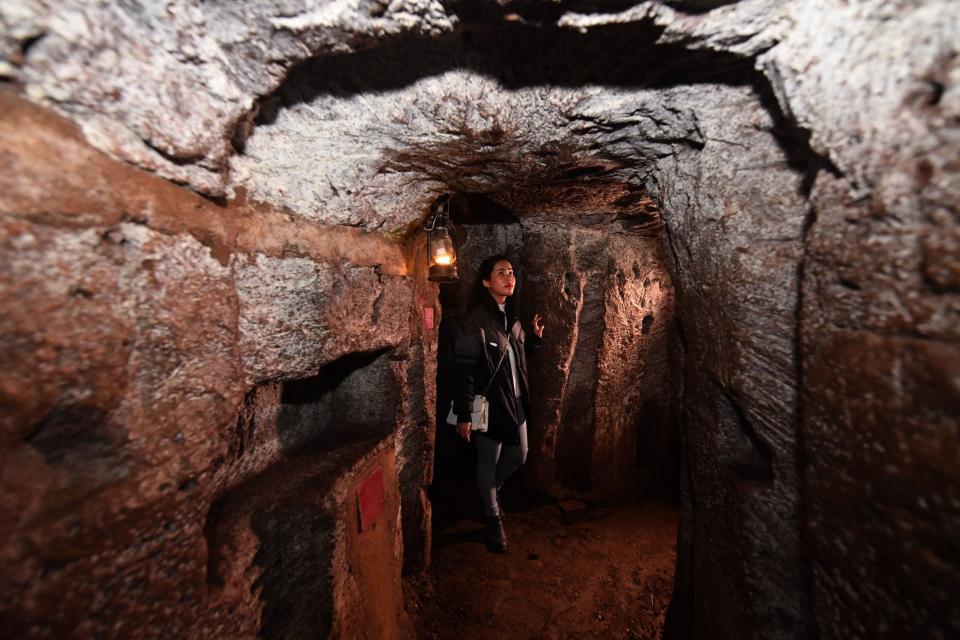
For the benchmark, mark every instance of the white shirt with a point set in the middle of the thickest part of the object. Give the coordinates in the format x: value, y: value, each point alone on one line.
x: 510, y: 353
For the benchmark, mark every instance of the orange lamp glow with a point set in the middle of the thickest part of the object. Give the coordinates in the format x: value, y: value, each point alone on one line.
x: 441, y: 252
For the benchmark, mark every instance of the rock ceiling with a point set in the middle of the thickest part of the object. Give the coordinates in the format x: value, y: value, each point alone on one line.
x: 358, y: 113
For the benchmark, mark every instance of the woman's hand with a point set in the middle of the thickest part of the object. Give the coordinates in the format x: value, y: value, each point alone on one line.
x: 463, y: 429
x: 538, y: 325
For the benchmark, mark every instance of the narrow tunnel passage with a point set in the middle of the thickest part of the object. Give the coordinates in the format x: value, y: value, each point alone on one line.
x: 593, y: 513
x: 219, y: 343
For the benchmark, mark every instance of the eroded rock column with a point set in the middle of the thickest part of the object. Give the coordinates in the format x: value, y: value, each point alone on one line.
x: 594, y: 267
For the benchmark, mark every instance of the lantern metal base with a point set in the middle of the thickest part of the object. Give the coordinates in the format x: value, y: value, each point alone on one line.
x: 443, y: 273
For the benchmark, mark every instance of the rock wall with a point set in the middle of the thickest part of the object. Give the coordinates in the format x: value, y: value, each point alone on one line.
x: 878, y: 336
x: 595, y: 269
x: 187, y: 406
x: 736, y: 242
x: 799, y: 457
x: 896, y: 187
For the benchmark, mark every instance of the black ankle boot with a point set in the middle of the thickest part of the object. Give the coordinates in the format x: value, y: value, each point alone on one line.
x: 496, y: 536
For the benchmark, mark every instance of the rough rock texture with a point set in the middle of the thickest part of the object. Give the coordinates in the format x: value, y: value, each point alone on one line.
x: 296, y: 314
x: 414, y: 115
x: 284, y: 556
x: 879, y: 341
x: 415, y: 453
x: 878, y: 327
x: 736, y: 243
x: 186, y: 405
x: 804, y: 158
x: 607, y: 300
x: 170, y: 85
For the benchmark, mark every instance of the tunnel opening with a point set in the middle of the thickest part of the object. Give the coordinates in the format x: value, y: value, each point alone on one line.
x: 602, y: 474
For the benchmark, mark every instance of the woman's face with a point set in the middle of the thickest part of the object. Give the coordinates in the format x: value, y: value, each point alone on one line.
x: 502, y: 281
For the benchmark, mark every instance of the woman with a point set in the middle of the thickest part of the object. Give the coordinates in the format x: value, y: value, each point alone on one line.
x: 491, y: 354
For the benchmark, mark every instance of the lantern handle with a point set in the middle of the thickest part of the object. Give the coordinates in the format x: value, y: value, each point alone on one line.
x: 443, y: 202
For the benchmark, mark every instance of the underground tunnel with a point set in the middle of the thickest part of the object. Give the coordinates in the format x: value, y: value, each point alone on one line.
x: 224, y: 386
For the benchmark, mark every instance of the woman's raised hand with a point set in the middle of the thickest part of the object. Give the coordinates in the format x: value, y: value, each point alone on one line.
x: 538, y: 325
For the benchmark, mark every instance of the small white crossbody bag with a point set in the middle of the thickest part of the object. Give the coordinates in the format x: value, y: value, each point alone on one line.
x: 480, y: 413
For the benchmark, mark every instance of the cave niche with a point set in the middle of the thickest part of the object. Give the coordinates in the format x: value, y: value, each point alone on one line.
x: 279, y: 540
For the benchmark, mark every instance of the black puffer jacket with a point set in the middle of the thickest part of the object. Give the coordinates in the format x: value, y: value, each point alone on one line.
x: 481, y: 341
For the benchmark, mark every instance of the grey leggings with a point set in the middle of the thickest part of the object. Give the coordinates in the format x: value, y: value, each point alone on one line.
x: 495, y: 463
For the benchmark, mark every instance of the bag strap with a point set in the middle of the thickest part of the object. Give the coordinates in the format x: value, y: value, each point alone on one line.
x: 483, y: 341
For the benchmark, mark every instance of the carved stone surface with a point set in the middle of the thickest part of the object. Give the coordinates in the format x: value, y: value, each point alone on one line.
x: 736, y: 225
x: 170, y: 84
x: 115, y: 411
x: 802, y: 153
x: 138, y: 459
x: 607, y: 304
x: 297, y: 314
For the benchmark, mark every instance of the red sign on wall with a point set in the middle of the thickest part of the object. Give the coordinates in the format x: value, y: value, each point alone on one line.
x: 370, y: 498
x: 428, y: 318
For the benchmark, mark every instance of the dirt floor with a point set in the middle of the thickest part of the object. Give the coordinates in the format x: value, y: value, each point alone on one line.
x: 606, y: 574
